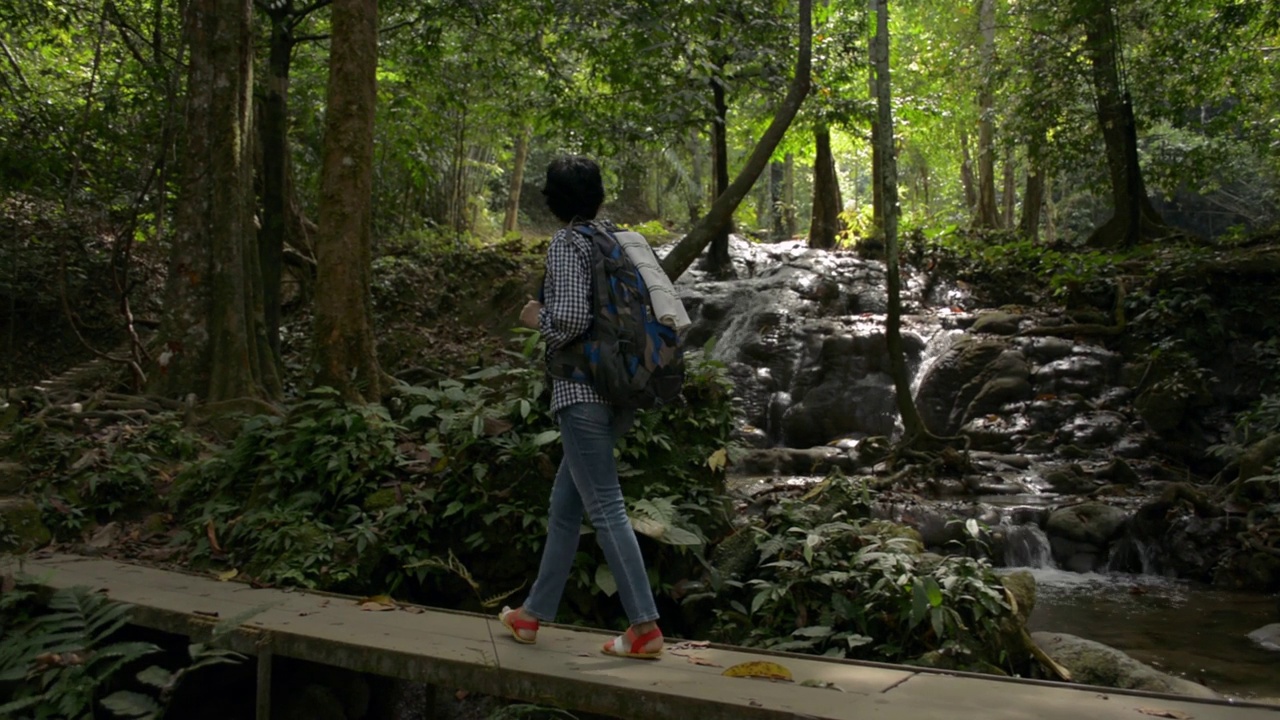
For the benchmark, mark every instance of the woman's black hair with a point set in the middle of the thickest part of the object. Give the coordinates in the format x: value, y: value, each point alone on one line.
x: 574, y: 190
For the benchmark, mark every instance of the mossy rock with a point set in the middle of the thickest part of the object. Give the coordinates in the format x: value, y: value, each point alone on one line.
x: 885, y: 529
x: 381, y: 500
x: 13, y: 476
x: 20, y: 526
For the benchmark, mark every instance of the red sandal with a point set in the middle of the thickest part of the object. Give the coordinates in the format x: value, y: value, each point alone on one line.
x: 512, y: 621
x: 630, y: 645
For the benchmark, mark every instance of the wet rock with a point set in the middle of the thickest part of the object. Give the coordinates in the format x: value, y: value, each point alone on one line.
x: 996, y: 322
x: 1079, y: 374
x: 950, y: 384
x: 1094, y: 430
x: 1119, y: 472
x: 1070, y: 480
x: 1092, y: 523
x: 1047, y: 349
x: 1132, y: 447
x: 1022, y: 586
x: 1268, y: 636
x: 818, y: 460
x: 1093, y: 663
x: 23, y: 529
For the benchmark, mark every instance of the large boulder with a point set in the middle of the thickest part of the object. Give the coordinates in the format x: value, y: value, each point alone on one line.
x: 1267, y: 636
x: 973, y: 378
x: 13, y: 477
x: 1093, y: 663
x: 20, y: 526
x: 1092, y: 523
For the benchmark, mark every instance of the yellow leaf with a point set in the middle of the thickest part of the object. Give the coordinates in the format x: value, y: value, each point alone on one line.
x: 226, y: 575
x: 377, y: 603
x: 759, y: 669
x: 718, y: 460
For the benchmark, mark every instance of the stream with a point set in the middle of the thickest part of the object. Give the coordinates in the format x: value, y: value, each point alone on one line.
x: 1063, y: 464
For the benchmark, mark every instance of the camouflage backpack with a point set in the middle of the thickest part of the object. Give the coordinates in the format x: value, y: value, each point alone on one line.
x: 628, y: 356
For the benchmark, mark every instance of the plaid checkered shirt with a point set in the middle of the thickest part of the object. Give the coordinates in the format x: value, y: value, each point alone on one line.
x: 566, y: 311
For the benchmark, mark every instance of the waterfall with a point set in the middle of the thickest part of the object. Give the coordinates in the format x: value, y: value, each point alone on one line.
x: 1027, y: 546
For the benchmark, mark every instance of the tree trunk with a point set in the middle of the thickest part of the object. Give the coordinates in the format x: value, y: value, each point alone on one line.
x: 275, y: 151
x: 517, y: 181
x: 696, y: 193
x: 777, y: 178
x: 1009, y: 194
x: 988, y: 214
x: 1134, y: 217
x: 966, y: 175
x: 877, y: 148
x: 826, y: 193
x: 344, y: 345
x: 720, y: 215
x: 913, y: 425
x: 214, y: 338
x: 789, y: 196
x: 718, y: 261
x: 1033, y: 195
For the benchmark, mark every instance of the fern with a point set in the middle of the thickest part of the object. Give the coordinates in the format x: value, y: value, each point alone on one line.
x: 61, y: 660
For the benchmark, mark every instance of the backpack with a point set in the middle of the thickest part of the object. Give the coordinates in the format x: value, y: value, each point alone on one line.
x: 628, y: 356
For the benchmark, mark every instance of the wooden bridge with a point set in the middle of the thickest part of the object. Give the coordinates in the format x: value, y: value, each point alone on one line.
x: 566, y: 670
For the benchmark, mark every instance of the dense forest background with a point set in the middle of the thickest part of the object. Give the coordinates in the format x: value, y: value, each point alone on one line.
x: 134, y: 128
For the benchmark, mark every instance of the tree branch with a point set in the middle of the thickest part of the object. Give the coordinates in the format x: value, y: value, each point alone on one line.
x: 304, y: 12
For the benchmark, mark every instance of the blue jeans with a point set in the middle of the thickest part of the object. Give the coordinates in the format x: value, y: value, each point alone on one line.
x: 588, y: 479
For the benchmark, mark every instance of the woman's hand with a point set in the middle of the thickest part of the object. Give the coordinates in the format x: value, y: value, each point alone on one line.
x: 529, y: 315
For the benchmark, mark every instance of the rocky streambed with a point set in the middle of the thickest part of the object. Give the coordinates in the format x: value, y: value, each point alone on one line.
x: 1070, y: 469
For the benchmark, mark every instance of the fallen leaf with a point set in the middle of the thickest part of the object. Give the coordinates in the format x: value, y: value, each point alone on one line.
x: 377, y: 602
x: 226, y: 575
x: 206, y: 613
x: 759, y: 669
x: 212, y: 535
x: 376, y: 606
x: 461, y: 694
x: 755, y: 703
x: 1157, y: 712
x: 704, y: 662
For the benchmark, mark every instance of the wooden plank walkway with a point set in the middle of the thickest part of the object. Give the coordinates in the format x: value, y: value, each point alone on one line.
x: 565, y: 669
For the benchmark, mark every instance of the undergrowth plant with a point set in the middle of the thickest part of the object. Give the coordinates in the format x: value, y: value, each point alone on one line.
x: 61, y: 659
x: 443, y: 492
x: 833, y: 585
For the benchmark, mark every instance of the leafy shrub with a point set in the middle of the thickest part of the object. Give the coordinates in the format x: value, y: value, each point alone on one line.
x: 861, y: 589
x: 102, y: 474
x: 444, y: 492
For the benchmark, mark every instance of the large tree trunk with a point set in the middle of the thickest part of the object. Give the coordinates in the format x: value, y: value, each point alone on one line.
x: 987, y: 215
x: 825, y: 223
x: 913, y: 425
x: 275, y: 151
x: 1134, y: 218
x: 718, y: 262
x: 967, y: 179
x: 696, y: 193
x: 517, y: 181
x: 1033, y: 195
x: 789, y: 196
x: 344, y: 345
x: 718, y: 218
x: 1009, y: 195
x: 777, y: 178
x: 214, y: 337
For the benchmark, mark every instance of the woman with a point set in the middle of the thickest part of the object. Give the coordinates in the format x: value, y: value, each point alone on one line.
x: 589, y: 428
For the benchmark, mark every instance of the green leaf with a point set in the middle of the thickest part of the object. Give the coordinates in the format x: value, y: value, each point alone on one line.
x: 547, y: 436
x: 131, y: 705
x: 814, y: 631
x: 605, y: 580
x: 934, y: 592
x: 156, y: 677
x: 919, y: 604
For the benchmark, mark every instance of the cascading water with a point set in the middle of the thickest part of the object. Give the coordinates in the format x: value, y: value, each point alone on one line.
x: 1026, y: 546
